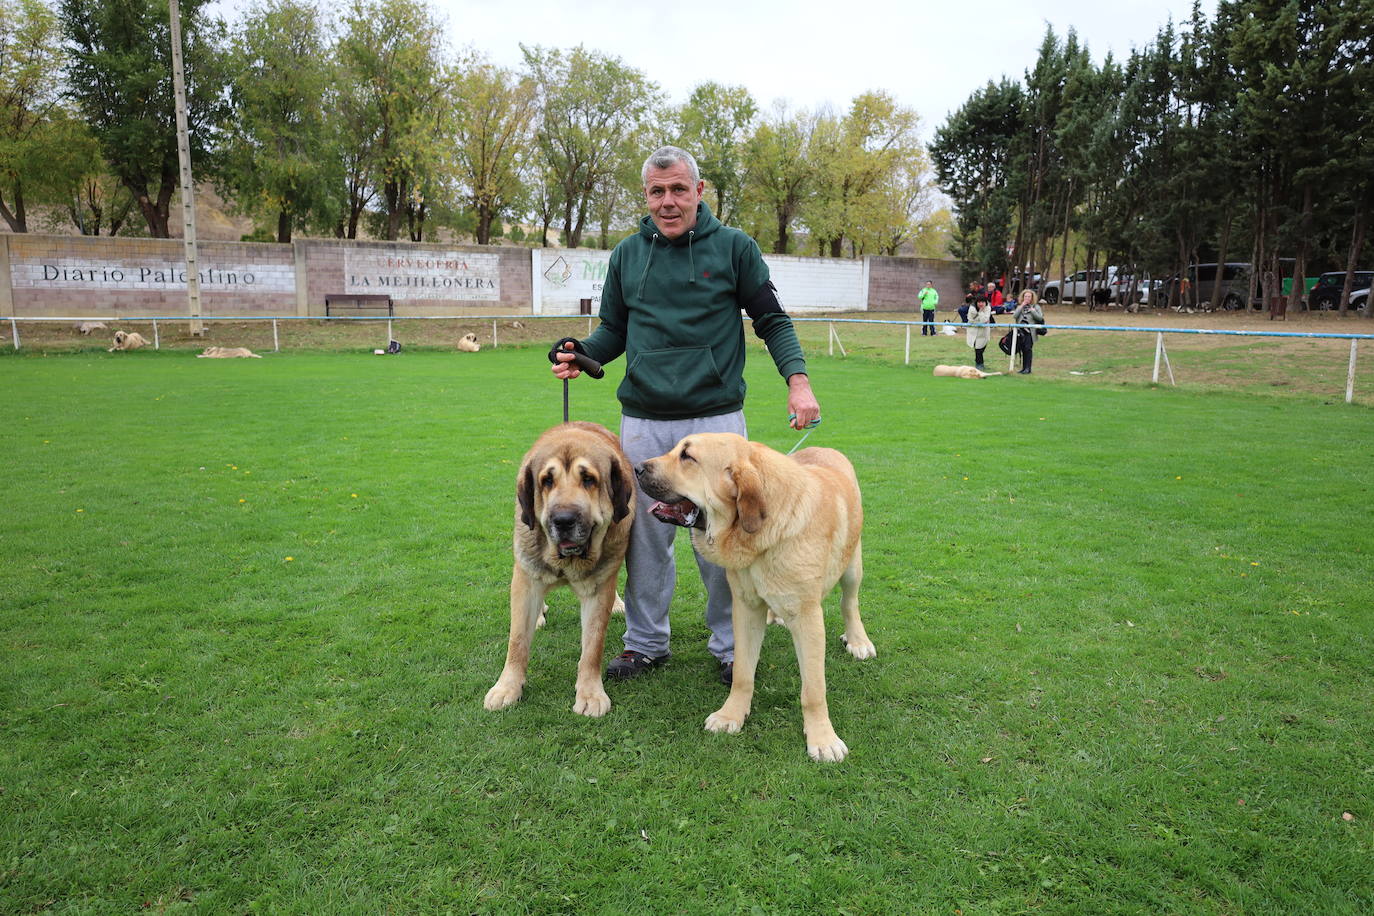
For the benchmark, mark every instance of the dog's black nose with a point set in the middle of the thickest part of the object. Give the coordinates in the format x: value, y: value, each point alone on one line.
x: 563, y: 521
x: 639, y: 470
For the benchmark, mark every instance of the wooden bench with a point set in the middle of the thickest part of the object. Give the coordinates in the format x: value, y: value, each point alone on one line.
x: 357, y: 301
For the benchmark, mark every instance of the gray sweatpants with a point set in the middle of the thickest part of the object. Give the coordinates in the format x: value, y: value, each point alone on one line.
x: 650, y: 569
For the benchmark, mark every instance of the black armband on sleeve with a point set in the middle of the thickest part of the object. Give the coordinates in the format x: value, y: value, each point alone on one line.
x: 763, y: 302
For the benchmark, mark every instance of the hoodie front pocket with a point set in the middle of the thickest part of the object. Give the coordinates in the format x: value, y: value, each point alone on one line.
x: 675, y: 378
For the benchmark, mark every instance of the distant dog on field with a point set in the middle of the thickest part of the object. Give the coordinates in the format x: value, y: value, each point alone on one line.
x: 227, y: 353
x: 468, y: 343
x: 131, y: 340
x: 86, y: 327
x: 962, y: 372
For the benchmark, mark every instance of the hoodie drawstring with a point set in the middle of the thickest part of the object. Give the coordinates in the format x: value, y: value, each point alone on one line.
x: 691, y: 261
x: 653, y: 243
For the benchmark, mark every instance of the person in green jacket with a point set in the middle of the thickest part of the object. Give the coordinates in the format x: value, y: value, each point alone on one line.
x: 929, y: 299
x: 671, y: 305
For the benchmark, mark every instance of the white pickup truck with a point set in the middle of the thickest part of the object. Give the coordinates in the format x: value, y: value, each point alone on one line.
x: 1079, y: 286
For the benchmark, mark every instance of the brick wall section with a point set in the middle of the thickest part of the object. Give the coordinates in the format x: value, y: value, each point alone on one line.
x: 894, y: 282
x: 325, y: 275
x: 254, y: 278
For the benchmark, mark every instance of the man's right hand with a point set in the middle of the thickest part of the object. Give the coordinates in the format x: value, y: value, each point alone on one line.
x: 563, y: 366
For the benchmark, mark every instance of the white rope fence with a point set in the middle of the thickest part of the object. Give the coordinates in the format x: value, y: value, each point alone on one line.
x: 833, y: 336
x: 1161, y: 352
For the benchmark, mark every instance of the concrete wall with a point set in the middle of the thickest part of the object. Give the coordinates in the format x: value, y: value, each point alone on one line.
x: 894, y: 282
x: 78, y: 276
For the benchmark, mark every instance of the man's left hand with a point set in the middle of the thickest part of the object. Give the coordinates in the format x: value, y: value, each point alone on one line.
x: 801, y: 402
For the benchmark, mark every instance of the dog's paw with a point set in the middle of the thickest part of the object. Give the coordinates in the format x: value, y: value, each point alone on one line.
x: 502, y: 695
x: 832, y: 751
x: 619, y: 606
x: 860, y: 647
x: 543, y: 613
x: 592, y: 703
x: 722, y: 723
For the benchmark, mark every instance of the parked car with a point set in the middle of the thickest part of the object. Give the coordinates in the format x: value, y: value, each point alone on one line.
x: 1116, y: 287
x: 1359, y: 300
x: 1234, y: 279
x: 1326, y: 294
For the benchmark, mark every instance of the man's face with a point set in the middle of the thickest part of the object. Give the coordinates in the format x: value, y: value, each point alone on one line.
x: 672, y: 198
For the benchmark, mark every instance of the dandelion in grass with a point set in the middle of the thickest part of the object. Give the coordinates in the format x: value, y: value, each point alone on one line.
x: 290, y: 559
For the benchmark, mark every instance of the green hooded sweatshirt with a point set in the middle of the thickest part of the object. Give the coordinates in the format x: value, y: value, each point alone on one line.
x: 673, y: 308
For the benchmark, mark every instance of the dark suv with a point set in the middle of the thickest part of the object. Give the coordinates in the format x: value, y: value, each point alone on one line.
x: 1327, y: 293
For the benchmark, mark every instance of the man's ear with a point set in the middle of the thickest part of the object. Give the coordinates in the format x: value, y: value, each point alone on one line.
x: 748, y: 496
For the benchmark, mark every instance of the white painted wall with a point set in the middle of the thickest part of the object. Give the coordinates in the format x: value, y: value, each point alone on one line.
x: 562, y: 277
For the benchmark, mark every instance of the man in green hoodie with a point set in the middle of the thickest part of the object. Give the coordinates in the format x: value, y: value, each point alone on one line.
x: 671, y: 303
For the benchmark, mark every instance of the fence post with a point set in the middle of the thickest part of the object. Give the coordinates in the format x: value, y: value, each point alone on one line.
x: 1159, y: 348
x: 1349, y: 375
x: 1011, y: 360
x: 157, y: 341
x: 906, y: 360
x: 493, y: 333
x: 276, y: 346
x: 14, y: 328
x: 389, y: 336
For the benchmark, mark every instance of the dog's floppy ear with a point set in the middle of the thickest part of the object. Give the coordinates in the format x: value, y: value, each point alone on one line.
x: 622, y: 488
x: 524, y: 492
x: 748, y: 496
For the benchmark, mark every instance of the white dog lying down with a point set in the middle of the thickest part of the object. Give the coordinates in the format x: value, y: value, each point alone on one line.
x: 130, y: 341
x: 468, y: 343
x: 86, y: 327
x: 226, y: 353
x: 962, y: 372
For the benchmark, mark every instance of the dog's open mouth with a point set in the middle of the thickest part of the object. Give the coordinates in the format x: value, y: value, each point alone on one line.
x: 572, y: 549
x: 684, y: 512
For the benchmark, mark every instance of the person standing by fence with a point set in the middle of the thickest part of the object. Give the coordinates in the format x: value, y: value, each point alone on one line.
x: 929, y: 300
x: 977, y: 337
x: 1028, y: 317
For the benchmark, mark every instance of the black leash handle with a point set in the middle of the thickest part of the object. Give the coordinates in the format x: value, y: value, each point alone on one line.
x: 581, y: 360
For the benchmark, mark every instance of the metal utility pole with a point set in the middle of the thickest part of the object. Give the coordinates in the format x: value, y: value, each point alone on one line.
x: 188, y: 188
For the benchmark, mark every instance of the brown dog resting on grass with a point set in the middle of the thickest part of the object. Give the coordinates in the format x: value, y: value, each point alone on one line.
x: 131, y: 340
x: 468, y: 343
x: 786, y: 529
x: 962, y: 372
x: 574, y: 504
x: 227, y: 353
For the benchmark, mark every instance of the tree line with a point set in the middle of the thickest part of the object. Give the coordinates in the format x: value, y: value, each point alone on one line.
x: 365, y: 122
x: 1244, y: 137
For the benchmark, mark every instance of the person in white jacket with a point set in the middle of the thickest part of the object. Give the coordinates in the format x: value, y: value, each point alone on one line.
x: 977, y: 337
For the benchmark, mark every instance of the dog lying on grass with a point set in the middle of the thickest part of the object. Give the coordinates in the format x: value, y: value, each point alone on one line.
x: 468, y: 343
x: 962, y: 372
x: 227, y: 353
x: 131, y: 340
x: 86, y: 327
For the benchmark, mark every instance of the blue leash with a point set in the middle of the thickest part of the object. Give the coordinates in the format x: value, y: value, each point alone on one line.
x: 810, y: 426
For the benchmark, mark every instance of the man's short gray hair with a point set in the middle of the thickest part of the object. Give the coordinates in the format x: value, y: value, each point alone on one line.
x: 665, y: 157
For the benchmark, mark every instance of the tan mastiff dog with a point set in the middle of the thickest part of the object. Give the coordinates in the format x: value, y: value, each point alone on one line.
x: 127, y: 341
x: 227, y: 353
x: 785, y: 529
x: 962, y: 372
x: 574, y: 504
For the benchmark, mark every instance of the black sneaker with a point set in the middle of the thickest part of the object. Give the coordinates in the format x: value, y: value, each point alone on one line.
x: 630, y: 664
x: 727, y: 673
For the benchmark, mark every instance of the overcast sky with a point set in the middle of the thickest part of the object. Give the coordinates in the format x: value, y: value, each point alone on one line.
x: 929, y: 56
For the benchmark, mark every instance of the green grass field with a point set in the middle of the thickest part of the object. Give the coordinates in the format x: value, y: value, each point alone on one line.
x: 251, y: 608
